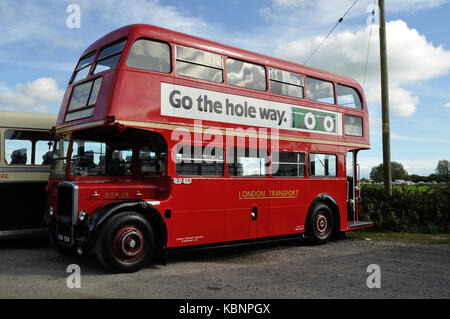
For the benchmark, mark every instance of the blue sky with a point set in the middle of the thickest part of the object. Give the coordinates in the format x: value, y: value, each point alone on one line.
x: 38, y: 52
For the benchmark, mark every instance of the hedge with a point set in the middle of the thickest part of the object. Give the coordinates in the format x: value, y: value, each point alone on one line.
x: 414, y: 209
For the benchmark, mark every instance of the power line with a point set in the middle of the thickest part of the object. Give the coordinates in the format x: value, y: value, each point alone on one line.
x: 332, y: 29
x: 368, y: 46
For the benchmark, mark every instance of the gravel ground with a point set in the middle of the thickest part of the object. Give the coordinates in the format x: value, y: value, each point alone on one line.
x: 294, y: 269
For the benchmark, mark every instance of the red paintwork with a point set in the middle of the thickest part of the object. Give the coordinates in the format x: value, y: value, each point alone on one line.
x: 209, y: 209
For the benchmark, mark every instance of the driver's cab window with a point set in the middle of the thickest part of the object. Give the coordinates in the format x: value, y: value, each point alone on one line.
x: 152, y: 161
x: 94, y: 158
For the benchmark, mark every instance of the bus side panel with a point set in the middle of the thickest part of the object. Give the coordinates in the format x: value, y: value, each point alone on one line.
x: 198, y: 214
x: 288, y: 209
x: 23, y: 205
x: 247, y: 196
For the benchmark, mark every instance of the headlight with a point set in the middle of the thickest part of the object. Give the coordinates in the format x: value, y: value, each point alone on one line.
x: 82, y: 215
x: 51, y: 210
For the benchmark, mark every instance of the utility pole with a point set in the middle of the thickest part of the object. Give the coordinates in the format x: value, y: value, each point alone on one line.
x: 385, y: 103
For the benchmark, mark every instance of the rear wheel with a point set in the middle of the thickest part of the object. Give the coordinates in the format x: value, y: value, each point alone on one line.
x: 320, y: 224
x: 125, y: 243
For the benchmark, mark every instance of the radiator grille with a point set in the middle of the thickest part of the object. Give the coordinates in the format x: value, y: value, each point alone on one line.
x: 66, y: 210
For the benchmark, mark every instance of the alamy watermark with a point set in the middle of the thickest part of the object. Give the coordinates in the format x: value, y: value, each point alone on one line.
x: 74, y: 279
x: 374, y: 279
x: 208, y: 144
x: 73, y: 21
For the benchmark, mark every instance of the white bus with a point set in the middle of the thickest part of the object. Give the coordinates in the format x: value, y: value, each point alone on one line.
x: 25, y: 157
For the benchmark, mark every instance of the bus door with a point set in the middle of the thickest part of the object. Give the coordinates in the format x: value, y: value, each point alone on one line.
x: 353, y: 195
x: 352, y: 180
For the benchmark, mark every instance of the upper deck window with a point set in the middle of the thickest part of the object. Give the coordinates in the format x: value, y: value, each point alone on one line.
x: 150, y: 55
x: 246, y: 75
x: 109, y: 56
x: 83, y: 67
x: 199, y: 64
x: 83, y: 95
x: 348, y: 96
x: 286, y: 83
x: 319, y: 90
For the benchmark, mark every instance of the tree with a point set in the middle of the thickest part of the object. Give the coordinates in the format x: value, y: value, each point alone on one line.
x: 443, y: 168
x: 397, y: 172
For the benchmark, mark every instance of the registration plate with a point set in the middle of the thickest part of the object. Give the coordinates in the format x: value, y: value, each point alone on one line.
x: 64, y: 238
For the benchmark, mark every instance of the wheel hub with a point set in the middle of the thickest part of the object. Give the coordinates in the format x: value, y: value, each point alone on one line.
x: 321, y: 224
x: 129, y: 243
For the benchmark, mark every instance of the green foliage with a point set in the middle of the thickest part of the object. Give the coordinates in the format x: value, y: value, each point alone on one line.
x: 443, y: 168
x: 397, y: 172
x: 415, y: 209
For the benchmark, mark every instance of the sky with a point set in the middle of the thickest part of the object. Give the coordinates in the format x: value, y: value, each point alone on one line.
x: 41, y: 43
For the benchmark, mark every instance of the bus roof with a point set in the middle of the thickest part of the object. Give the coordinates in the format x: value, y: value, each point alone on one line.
x: 150, y: 31
x: 27, y: 120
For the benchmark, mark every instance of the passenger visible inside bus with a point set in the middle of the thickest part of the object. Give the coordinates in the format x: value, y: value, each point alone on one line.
x: 19, y: 156
x: 46, y: 158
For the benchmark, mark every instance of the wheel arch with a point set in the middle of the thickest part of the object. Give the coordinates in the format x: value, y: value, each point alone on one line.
x: 104, y: 213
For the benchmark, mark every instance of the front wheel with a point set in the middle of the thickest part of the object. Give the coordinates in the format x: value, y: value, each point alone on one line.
x: 125, y: 243
x: 321, y: 224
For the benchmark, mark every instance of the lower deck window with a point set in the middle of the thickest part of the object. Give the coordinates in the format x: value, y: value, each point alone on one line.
x: 199, y: 161
x: 247, y: 162
x: 152, y: 160
x: 322, y: 165
x: 288, y: 164
x: 27, y: 147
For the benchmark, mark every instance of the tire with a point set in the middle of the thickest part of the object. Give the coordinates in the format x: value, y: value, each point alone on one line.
x: 125, y: 242
x: 320, y: 224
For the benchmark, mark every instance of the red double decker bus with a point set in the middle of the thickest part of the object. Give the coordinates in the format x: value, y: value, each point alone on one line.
x: 167, y: 140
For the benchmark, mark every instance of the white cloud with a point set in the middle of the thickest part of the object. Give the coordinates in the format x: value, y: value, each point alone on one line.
x: 34, y: 96
x: 401, y: 101
x: 447, y: 105
x: 411, y: 58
